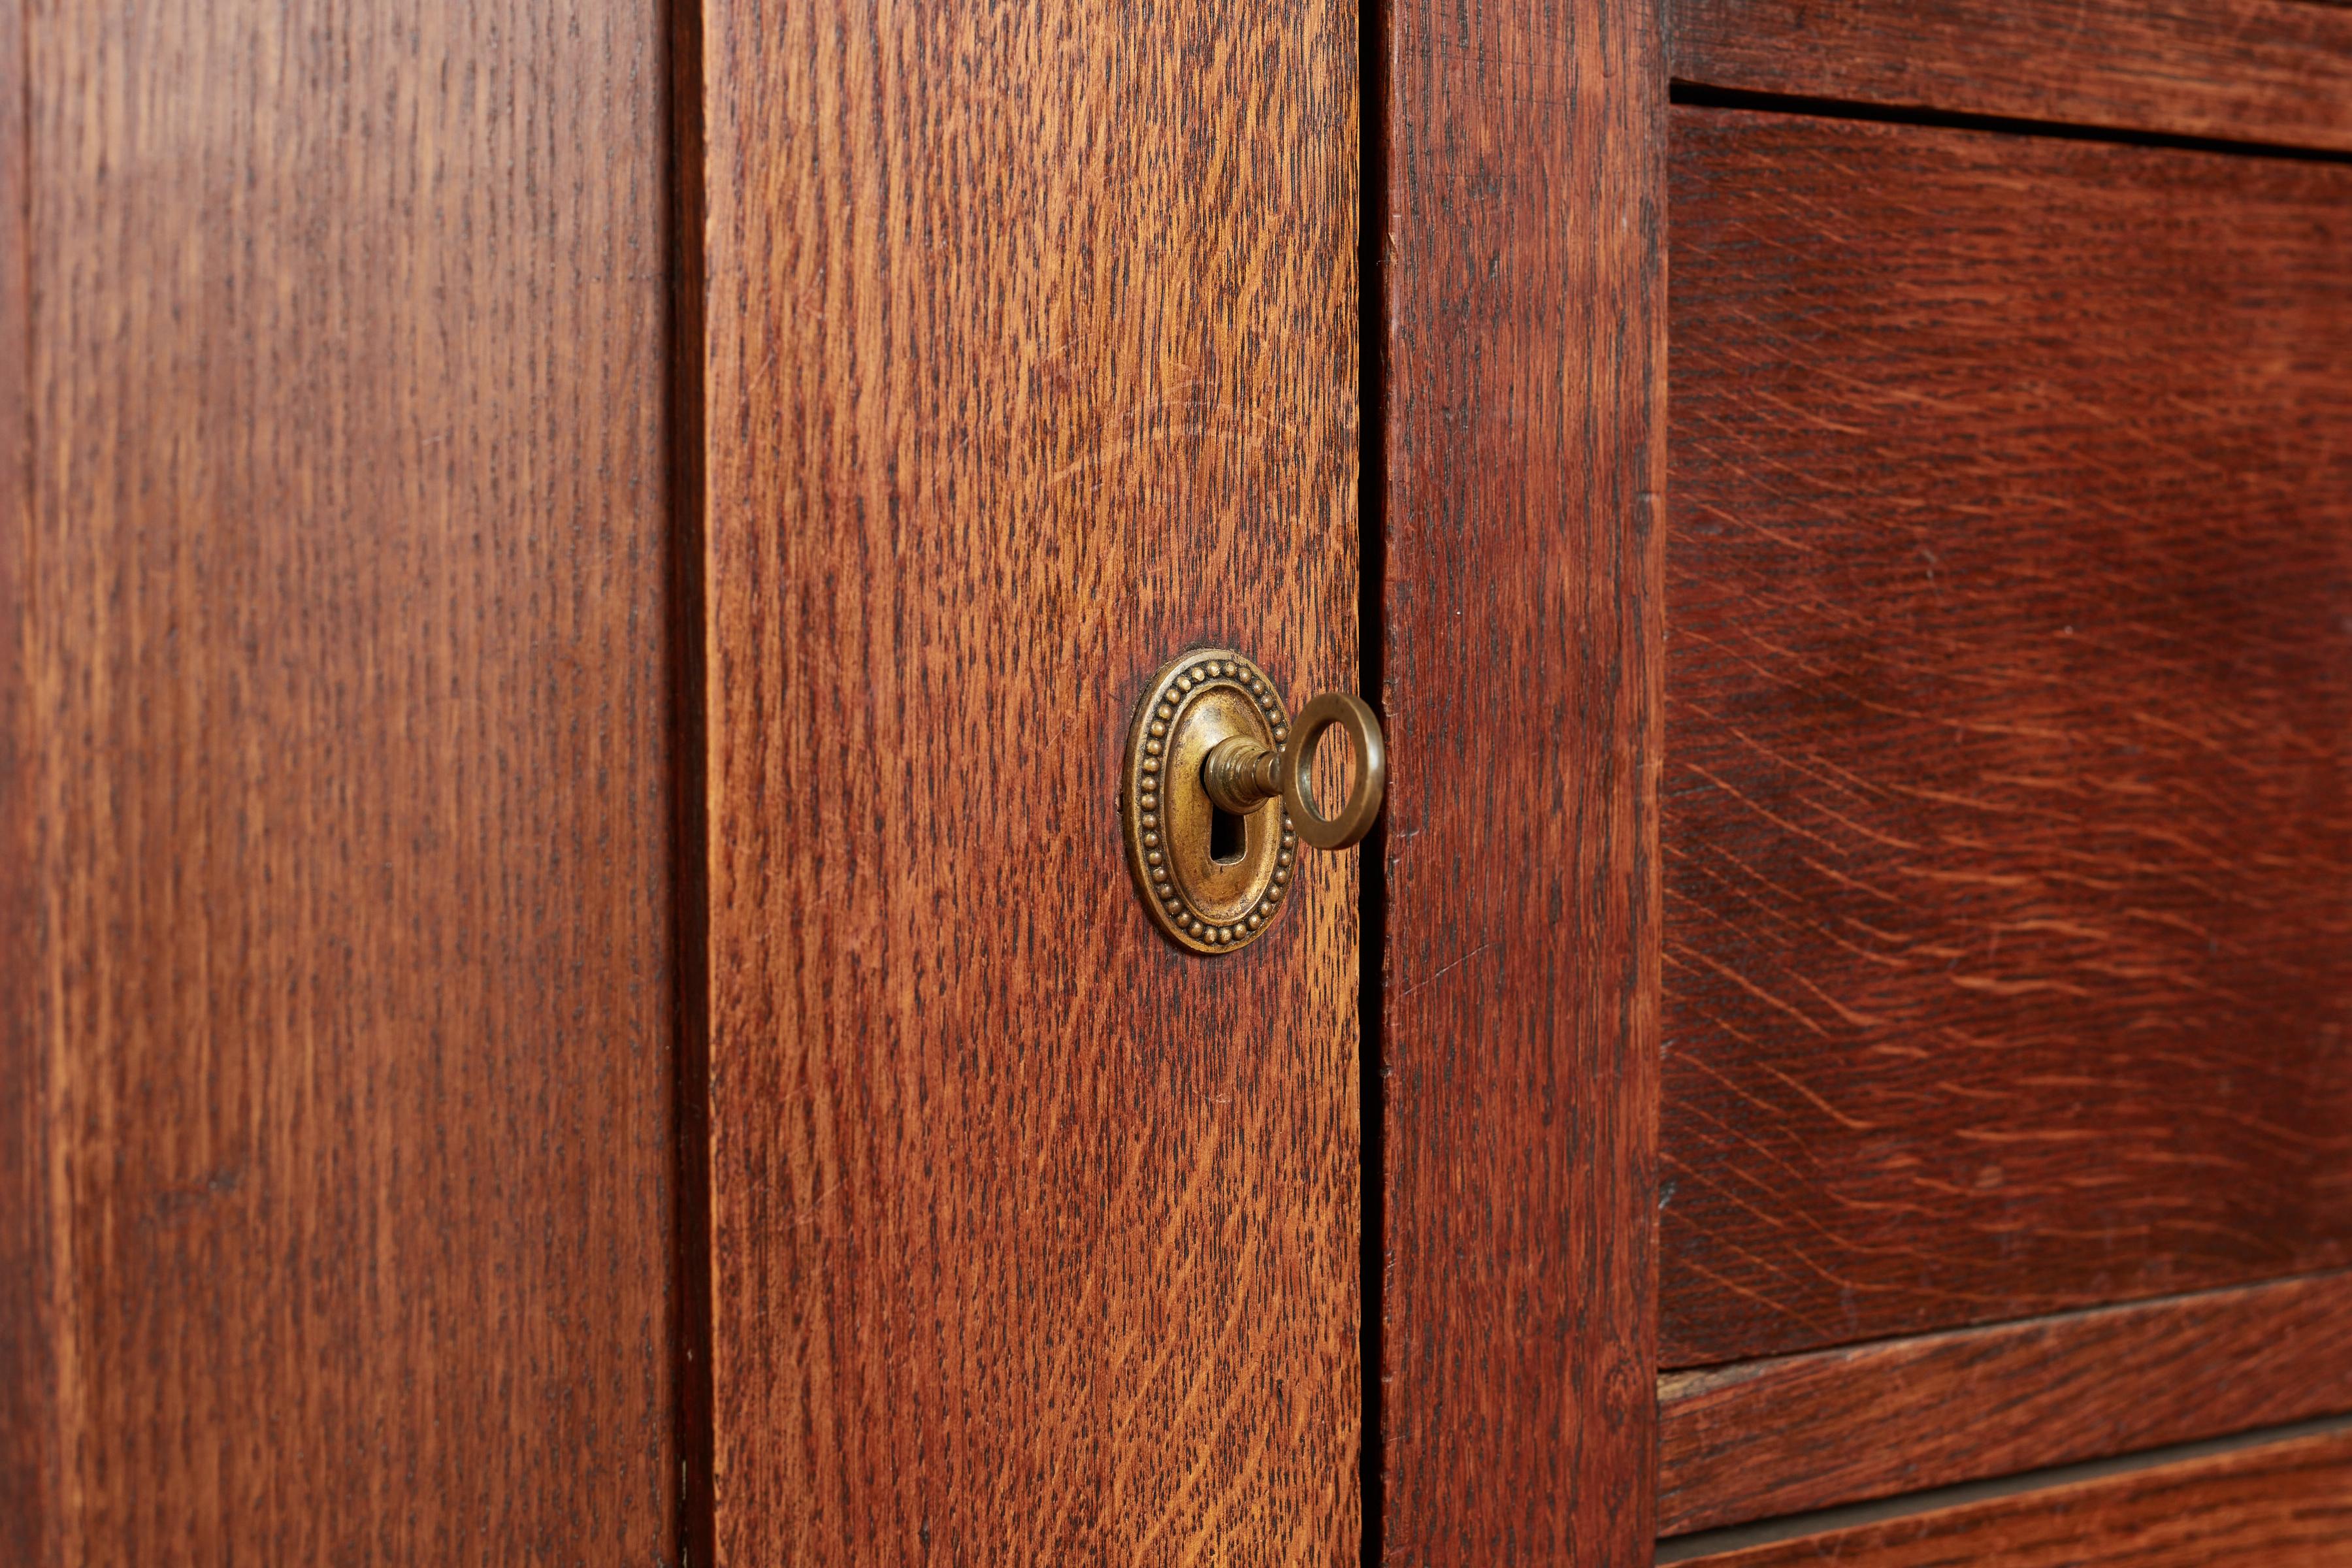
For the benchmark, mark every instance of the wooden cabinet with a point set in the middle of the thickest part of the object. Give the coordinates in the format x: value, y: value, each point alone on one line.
x: 577, y: 580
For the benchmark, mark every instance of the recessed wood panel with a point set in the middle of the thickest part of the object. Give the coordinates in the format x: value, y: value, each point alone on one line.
x: 1795, y: 1432
x: 1032, y: 362
x: 2249, y: 70
x: 338, y: 814
x: 2279, y: 1503
x: 2007, y: 807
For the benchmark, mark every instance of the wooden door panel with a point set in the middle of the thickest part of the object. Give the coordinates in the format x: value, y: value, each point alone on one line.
x: 1030, y: 362
x: 2008, y: 813
x: 337, y: 780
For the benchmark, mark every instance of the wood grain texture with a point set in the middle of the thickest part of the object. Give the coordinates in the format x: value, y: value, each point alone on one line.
x: 2282, y: 1505
x: 2009, y: 803
x: 1032, y: 362
x: 2276, y: 71
x: 1795, y: 1432
x: 28, y: 1429
x: 1525, y: 398
x: 343, y: 647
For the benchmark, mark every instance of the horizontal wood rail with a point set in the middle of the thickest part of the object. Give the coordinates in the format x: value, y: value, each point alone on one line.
x: 2285, y: 1501
x: 2257, y: 70
x: 1802, y: 1432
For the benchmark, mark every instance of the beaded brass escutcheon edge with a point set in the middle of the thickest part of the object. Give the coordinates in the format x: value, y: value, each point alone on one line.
x: 1210, y: 886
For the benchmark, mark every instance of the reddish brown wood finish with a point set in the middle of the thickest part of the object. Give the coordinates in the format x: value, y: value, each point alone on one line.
x: 2250, y: 70
x: 1032, y: 362
x: 2283, y: 1505
x: 1834, y: 1426
x: 27, y: 1390
x: 337, y: 805
x: 1525, y: 395
x: 2008, y: 826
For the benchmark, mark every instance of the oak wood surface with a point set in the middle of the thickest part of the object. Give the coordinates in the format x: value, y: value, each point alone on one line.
x: 1525, y: 314
x: 2274, y: 71
x: 2280, y: 1504
x: 27, y: 1388
x: 2008, y: 729
x: 1795, y: 1432
x: 345, y: 822
x: 1032, y: 362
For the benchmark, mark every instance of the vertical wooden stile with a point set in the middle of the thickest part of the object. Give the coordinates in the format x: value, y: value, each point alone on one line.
x: 1525, y: 399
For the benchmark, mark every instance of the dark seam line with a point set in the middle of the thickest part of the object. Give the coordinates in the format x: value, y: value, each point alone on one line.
x: 1698, y: 95
x: 686, y: 335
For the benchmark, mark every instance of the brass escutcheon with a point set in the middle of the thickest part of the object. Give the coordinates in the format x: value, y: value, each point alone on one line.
x: 1210, y: 752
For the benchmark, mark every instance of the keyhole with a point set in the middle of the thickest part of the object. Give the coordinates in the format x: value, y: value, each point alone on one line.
x: 1227, y: 836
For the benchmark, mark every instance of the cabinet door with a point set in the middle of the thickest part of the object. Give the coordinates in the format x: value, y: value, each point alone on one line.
x: 1029, y: 361
x: 337, y: 929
